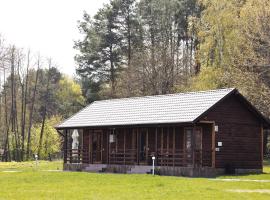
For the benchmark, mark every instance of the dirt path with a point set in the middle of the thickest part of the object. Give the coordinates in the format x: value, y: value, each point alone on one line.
x: 250, y: 191
x: 239, y: 180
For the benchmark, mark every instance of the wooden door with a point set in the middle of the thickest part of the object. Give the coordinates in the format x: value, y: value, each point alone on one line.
x: 197, y: 146
x: 198, y: 139
x: 97, y: 147
x: 188, y: 146
x: 143, y: 147
x: 86, y: 156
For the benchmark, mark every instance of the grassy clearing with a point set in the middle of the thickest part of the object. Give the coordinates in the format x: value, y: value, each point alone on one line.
x: 31, y: 183
x: 31, y: 166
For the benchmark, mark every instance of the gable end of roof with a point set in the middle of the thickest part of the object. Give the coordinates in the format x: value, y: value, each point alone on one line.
x: 264, y: 120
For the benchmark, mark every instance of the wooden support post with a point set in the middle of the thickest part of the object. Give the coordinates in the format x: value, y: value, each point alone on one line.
x: 115, y: 144
x: 138, y: 147
x: 156, y: 145
x: 133, y: 145
x: 109, y: 149
x: 161, y: 148
x: 107, y: 145
x: 173, y: 146
x: 146, y: 146
x: 213, y: 146
x: 91, y: 146
x: 124, y: 146
x: 65, y: 147
x: 80, y: 149
x: 101, y: 146
x: 184, y: 147
x: 168, y: 145
x: 168, y: 139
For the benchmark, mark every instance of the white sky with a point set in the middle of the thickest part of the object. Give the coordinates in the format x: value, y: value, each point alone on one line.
x: 46, y: 26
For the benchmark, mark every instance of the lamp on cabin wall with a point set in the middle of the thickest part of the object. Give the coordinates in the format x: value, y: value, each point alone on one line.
x: 112, y: 137
x: 216, y: 128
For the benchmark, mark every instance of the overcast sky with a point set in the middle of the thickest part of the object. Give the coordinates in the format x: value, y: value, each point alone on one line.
x: 46, y: 26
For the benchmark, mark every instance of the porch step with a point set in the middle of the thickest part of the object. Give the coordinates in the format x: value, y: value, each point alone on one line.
x: 140, y: 169
x: 95, y: 168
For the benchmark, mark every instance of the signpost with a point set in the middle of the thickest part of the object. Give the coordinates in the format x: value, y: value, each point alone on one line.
x: 36, y: 159
x: 153, y: 165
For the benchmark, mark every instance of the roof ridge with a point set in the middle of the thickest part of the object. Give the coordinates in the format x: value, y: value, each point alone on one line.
x: 163, y: 95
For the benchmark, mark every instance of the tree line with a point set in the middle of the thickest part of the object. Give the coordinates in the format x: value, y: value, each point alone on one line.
x: 148, y: 47
x: 133, y: 48
x: 34, y: 97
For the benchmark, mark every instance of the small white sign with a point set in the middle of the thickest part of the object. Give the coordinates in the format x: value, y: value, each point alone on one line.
x: 220, y: 144
x: 216, y: 128
x: 217, y: 149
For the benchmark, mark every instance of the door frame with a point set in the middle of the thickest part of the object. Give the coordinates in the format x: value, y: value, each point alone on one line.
x: 141, y: 132
x: 99, y: 134
x: 185, y: 142
x: 201, y: 133
x: 193, y: 148
x: 200, y: 154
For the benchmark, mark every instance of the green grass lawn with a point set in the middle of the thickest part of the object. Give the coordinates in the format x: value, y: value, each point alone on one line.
x: 29, y: 182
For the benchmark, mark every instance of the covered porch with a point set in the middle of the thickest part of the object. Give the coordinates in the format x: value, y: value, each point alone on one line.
x: 189, y: 145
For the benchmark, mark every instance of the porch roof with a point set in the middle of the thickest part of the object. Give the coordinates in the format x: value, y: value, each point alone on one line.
x: 159, y: 109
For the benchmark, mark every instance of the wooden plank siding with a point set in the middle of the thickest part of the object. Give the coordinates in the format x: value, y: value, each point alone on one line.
x: 240, y: 133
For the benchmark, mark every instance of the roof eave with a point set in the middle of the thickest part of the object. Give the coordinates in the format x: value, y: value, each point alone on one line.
x: 125, y: 125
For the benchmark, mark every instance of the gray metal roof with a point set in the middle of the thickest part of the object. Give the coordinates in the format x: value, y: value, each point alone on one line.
x: 159, y: 109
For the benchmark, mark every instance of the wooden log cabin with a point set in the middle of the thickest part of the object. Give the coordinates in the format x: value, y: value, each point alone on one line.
x: 190, y: 134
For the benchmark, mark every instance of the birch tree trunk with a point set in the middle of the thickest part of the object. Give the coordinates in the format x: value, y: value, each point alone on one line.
x: 44, y: 110
x: 33, y: 99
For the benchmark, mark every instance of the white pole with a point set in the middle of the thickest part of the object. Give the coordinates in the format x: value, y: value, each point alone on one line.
x: 153, y: 165
x: 36, y: 158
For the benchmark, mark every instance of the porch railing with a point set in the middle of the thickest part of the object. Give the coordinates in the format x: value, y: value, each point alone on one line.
x: 164, y: 157
x: 183, y: 158
x: 121, y: 156
x: 174, y: 158
x: 75, y: 155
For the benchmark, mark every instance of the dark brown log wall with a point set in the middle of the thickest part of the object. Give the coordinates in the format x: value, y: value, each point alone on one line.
x: 240, y: 133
